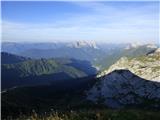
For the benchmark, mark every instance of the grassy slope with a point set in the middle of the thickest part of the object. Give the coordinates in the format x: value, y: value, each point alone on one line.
x: 97, y: 114
x: 39, y: 67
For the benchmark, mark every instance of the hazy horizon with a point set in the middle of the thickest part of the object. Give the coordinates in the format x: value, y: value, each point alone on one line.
x: 110, y: 22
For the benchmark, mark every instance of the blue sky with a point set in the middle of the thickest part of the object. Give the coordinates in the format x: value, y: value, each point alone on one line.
x: 112, y: 22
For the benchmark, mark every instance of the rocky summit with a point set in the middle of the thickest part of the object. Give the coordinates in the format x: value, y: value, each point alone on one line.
x: 129, y: 82
x: 146, y: 66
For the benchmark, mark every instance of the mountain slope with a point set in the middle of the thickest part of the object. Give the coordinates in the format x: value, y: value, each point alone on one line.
x: 83, y: 53
x: 125, y: 87
x: 145, y: 66
x: 43, y: 71
x: 122, y: 88
x: 7, y: 58
x: 39, y: 67
x: 130, y: 81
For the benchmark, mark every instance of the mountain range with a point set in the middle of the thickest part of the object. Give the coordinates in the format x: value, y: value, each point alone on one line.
x: 20, y: 71
x: 129, y: 77
x: 100, y: 55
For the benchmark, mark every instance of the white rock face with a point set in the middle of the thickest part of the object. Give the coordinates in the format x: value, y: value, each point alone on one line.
x: 121, y: 87
x: 130, y: 81
x: 80, y: 44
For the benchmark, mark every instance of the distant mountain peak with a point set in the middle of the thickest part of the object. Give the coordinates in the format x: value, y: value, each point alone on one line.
x: 132, y: 45
x: 151, y: 46
x: 137, y: 44
x: 83, y: 43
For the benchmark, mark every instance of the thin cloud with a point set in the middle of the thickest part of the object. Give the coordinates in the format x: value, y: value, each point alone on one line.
x: 105, y: 22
